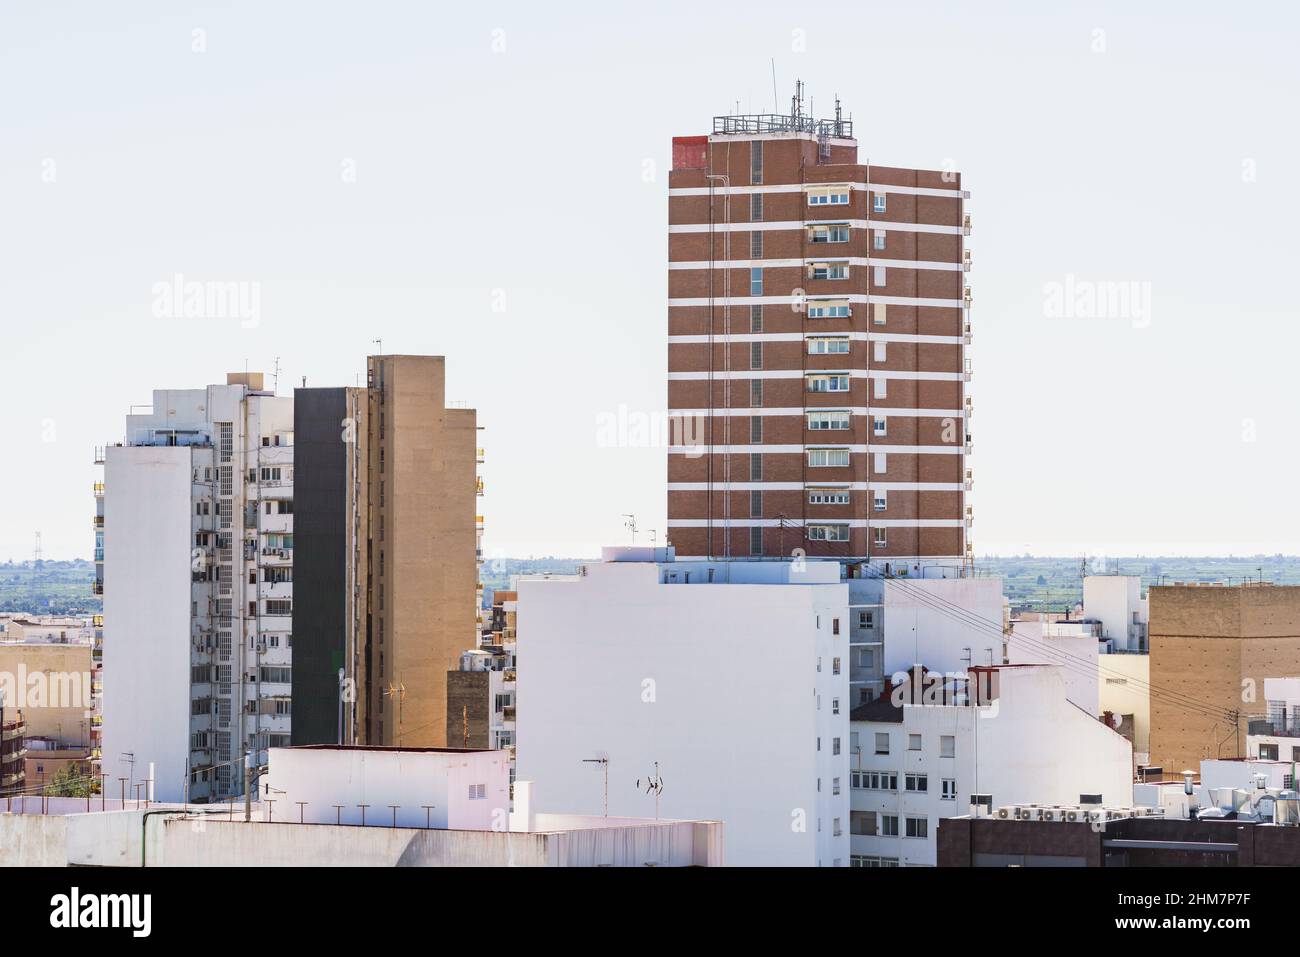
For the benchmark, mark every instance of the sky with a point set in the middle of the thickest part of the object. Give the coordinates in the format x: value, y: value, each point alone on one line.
x: 488, y: 182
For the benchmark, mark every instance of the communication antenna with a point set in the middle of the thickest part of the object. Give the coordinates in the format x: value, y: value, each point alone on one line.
x: 775, y: 98
x: 380, y: 343
x: 630, y: 524
x: 653, y: 785
x: 275, y: 376
x: 604, y: 763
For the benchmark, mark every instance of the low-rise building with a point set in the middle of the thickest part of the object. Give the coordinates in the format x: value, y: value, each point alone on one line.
x: 693, y: 689
x: 1009, y: 733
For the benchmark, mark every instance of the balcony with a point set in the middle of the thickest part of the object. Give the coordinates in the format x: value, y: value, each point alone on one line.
x: 99, y: 490
x: 508, y: 713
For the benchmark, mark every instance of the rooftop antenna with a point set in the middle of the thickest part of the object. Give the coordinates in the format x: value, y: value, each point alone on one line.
x: 775, y: 98
x: 275, y: 376
x: 630, y: 524
x: 380, y: 343
x: 653, y: 785
x: 604, y: 763
x: 839, y: 117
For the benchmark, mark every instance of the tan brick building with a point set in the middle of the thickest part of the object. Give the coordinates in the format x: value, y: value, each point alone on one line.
x: 818, y: 319
x: 1212, y: 646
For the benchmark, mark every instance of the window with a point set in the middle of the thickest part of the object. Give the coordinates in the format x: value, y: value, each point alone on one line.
x: 755, y: 207
x: 889, y: 825
x: 882, y: 742
x: 878, y: 240
x: 878, y: 313
x: 878, y: 463
x: 879, y: 389
x: 756, y: 393
x: 755, y: 162
x: 835, y: 827
x: 755, y: 466
x: 756, y: 281
x: 833, y: 196
x: 863, y: 823
x: 477, y: 792
x: 756, y: 541
x: 756, y: 428
x: 914, y: 742
x: 866, y: 619
x: 828, y: 345
x: 835, y: 626
x: 879, y: 425
x: 835, y: 669
x: 828, y: 421
x: 755, y: 318
x: 756, y: 504
x: 279, y: 606
x: 828, y: 533
x: 835, y: 709
x: 828, y: 458
x: 878, y: 500
x: 947, y: 746
x: 829, y: 310
x: 875, y: 780
x: 916, y: 783
x: 755, y: 245
x: 881, y: 539
x: 839, y: 382
x: 877, y: 202
x: 756, y: 355
x: 835, y: 742
x: 829, y: 233
x: 828, y: 271
x: 1268, y: 752
x: 828, y: 496
x: 918, y: 827
x: 878, y: 351
x: 949, y: 789
x: 878, y: 276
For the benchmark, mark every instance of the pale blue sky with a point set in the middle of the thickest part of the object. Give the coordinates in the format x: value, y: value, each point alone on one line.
x: 540, y: 170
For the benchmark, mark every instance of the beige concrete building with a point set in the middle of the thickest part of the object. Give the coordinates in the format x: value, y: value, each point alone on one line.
x: 424, y: 568
x: 388, y: 549
x: 51, y: 683
x: 1212, y: 646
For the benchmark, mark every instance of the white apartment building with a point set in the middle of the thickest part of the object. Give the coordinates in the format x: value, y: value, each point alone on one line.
x: 1074, y: 645
x: 692, y: 689
x: 951, y: 623
x: 197, y: 554
x: 1116, y: 602
x: 920, y: 753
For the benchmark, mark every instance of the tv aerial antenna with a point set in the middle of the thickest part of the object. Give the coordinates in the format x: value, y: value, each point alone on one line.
x: 653, y: 785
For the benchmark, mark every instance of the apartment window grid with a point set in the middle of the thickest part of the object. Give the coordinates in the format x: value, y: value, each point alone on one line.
x: 756, y: 355
x: 756, y: 428
x: 756, y: 244
x: 756, y: 504
x: 226, y: 441
x: 756, y: 163
x: 756, y: 541
x: 756, y: 281
x: 756, y: 393
x: 755, y: 467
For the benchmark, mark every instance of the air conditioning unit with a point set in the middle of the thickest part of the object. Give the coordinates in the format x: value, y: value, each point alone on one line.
x: 1006, y: 813
x: 1023, y: 813
x: 1072, y: 817
x: 1047, y: 814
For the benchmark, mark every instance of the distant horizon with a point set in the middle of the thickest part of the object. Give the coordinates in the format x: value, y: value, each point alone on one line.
x: 1063, y: 556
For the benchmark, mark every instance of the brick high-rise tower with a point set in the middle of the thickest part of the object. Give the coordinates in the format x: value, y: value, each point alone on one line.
x: 818, y: 319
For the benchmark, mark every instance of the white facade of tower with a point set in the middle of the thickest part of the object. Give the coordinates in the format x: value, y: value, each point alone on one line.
x: 198, y: 592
